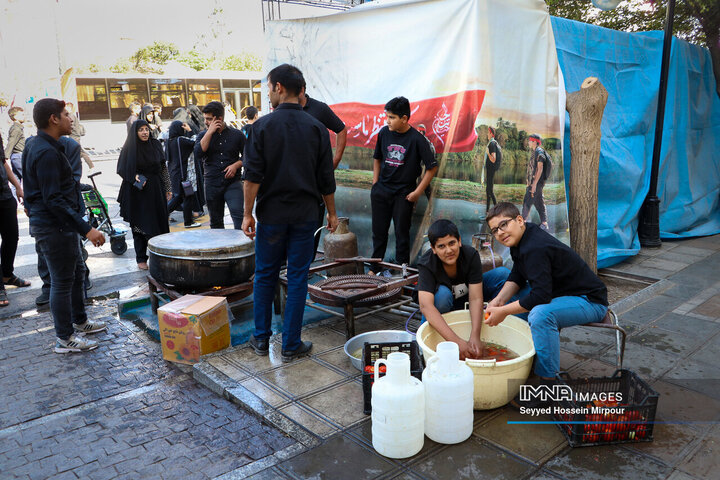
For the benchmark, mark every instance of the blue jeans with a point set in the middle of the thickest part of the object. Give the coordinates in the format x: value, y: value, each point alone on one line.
x: 273, y: 244
x: 63, y: 256
x: 217, y: 193
x: 546, y: 321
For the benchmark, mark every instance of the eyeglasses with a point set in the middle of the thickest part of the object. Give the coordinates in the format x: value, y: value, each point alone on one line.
x: 501, y: 226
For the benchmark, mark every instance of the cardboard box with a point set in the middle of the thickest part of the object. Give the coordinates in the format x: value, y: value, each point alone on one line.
x: 193, y: 325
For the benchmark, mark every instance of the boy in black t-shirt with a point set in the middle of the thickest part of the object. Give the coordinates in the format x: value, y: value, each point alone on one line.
x: 399, y: 152
x: 562, y: 292
x: 450, y: 274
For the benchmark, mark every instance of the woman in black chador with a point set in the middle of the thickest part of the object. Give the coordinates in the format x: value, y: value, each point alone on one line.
x: 142, y: 195
x: 177, y: 152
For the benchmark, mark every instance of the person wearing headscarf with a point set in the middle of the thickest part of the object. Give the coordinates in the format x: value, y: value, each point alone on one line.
x: 148, y: 114
x: 142, y: 195
x: 181, y: 114
x: 177, y: 152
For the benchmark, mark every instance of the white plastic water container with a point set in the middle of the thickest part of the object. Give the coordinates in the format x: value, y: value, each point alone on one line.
x: 398, y: 409
x: 448, y: 396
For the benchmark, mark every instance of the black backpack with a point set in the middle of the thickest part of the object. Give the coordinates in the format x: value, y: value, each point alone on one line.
x: 547, y: 168
x: 498, y: 154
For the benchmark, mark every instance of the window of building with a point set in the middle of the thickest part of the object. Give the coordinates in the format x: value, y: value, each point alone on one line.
x: 122, y: 93
x: 202, y: 92
x: 257, y: 98
x: 236, y: 83
x: 168, y: 92
x: 92, y: 99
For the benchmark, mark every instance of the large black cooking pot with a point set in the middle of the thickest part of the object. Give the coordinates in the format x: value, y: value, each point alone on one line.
x: 202, y: 258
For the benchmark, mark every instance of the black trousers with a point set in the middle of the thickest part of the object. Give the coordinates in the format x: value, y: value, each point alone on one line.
x: 536, y: 200
x: 9, y: 235
x: 188, y: 203
x: 489, y: 185
x: 141, y: 242
x: 387, y: 206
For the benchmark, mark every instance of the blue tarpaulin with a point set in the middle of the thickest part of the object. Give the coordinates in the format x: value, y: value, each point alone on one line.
x: 628, y: 65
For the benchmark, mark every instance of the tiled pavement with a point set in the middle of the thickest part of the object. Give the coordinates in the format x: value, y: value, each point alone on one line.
x: 117, y: 412
x: 673, y: 342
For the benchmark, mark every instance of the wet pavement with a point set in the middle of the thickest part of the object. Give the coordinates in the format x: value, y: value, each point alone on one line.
x: 123, y: 412
x: 673, y: 343
x: 117, y: 412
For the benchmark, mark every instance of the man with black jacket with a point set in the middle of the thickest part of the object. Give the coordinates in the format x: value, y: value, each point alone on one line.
x: 55, y: 208
x: 288, y: 167
x: 548, y: 280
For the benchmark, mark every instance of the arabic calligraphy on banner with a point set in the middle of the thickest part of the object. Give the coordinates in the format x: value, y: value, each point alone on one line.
x: 449, y: 121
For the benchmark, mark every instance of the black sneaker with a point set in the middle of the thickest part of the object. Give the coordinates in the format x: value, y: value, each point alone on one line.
x: 42, y: 299
x: 261, y: 347
x: 301, y: 351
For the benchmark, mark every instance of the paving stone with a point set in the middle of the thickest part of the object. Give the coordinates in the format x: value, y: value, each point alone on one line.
x: 471, y: 459
x: 698, y: 376
x: 670, y: 442
x: 704, y: 462
x: 647, y: 362
x: 605, y: 463
x: 534, y: 442
x: 667, y: 341
x: 337, y: 458
x: 688, y: 325
x: 121, y: 408
x: 709, y: 308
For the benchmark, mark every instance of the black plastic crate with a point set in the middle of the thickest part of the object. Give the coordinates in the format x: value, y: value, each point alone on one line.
x: 373, y: 351
x: 632, y: 420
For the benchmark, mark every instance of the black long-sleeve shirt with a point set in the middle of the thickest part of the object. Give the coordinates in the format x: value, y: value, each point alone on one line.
x: 289, y: 155
x: 52, y: 195
x: 225, y: 148
x: 552, y: 269
x: 5, y: 192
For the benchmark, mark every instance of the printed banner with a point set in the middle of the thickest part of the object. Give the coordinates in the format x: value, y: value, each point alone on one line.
x: 440, y: 116
x: 469, y: 68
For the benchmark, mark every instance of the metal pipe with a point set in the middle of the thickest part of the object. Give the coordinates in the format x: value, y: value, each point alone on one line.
x: 649, y: 226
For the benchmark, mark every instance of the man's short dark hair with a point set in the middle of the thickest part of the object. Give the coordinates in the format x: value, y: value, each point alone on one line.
x: 13, y: 111
x: 289, y: 77
x: 400, y: 106
x: 492, y: 130
x: 251, y: 113
x: 46, y: 108
x: 442, y: 228
x: 502, y: 209
x: 215, y: 109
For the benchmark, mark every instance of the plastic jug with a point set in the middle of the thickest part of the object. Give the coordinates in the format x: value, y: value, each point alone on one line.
x: 398, y: 409
x: 448, y: 396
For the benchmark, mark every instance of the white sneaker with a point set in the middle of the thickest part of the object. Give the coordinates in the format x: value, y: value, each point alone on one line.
x: 90, y: 327
x: 76, y: 343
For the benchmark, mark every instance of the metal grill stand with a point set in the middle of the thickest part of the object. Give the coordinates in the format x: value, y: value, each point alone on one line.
x: 233, y: 293
x: 377, y: 293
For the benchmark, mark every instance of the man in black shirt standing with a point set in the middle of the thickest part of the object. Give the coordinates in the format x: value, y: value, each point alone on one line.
x: 56, y: 209
x: 324, y: 114
x: 563, y: 291
x: 288, y: 167
x: 537, y: 171
x: 399, y: 154
x: 493, y: 159
x: 220, y: 148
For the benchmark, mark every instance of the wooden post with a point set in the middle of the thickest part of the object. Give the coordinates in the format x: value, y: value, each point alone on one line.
x: 586, y: 108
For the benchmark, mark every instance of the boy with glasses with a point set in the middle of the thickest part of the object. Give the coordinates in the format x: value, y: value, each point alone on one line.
x: 549, y: 285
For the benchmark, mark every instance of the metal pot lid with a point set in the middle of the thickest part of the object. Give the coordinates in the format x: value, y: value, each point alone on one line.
x: 214, y: 244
